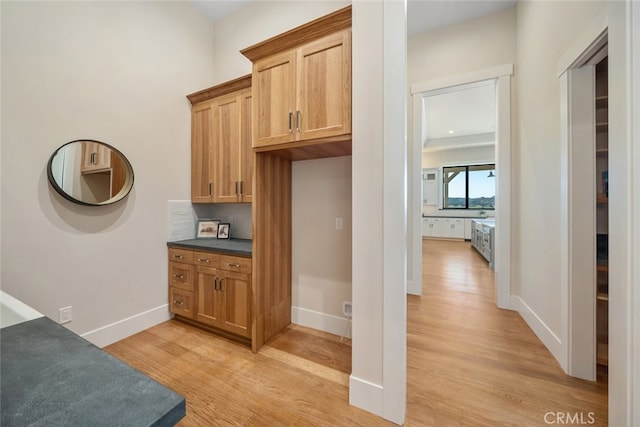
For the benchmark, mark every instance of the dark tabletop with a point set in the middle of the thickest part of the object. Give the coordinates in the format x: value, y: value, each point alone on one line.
x: 228, y: 246
x: 52, y: 377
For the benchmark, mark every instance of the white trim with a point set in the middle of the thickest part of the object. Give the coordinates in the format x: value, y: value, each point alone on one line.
x: 634, y: 325
x: 396, y: 243
x: 336, y: 325
x: 124, y: 328
x: 546, y: 335
x: 463, y: 79
x: 502, y: 79
x: 578, y: 221
x: 415, y: 208
x: 592, y: 36
x: 503, y: 193
x: 365, y: 395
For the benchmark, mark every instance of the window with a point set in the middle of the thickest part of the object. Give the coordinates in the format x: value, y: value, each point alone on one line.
x: 469, y: 187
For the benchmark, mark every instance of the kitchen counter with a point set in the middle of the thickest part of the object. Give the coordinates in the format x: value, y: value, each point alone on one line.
x: 52, y: 377
x: 240, y: 247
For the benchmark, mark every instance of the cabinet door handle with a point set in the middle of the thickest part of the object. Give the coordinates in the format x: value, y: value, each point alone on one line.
x: 210, y: 185
x: 178, y: 256
x: 233, y: 264
x: 237, y: 188
x: 215, y: 283
x: 203, y: 260
x: 298, y: 121
x: 290, y: 121
x: 178, y: 276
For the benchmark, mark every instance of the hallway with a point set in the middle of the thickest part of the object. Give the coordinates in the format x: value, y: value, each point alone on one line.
x: 470, y: 363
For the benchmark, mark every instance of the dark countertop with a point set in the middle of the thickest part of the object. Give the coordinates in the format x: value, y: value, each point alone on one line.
x: 232, y: 246
x: 52, y: 377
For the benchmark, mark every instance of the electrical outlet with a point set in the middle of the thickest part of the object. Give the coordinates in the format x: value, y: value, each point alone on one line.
x: 346, y: 308
x: 65, y: 315
x: 230, y: 219
x: 339, y: 223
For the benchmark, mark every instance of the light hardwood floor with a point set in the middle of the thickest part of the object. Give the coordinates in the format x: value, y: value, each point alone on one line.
x: 468, y: 364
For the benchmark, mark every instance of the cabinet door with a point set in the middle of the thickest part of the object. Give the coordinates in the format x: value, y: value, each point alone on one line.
x: 430, y: 187
x: 201, y: 153
x: 208, y: 309
x: 274, y: 99
x: 95, y: 157
x: 324, y: 87
x: 438, y: 230
x: 236, y: 291
x: 426, y: 227
x: 457, y: 228
x: 246, y: 150
x: 226, y: 152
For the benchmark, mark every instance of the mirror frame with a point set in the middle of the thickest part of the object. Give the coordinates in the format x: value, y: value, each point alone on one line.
x: 124, y: 191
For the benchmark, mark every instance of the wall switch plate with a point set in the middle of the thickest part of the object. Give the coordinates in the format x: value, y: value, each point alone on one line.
x: 339, y: 223
x: 346, y: 308
x: 65, y: 315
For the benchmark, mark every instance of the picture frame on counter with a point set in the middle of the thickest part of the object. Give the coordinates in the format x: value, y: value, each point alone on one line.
x: 224, y: 230
x: 207, y: 229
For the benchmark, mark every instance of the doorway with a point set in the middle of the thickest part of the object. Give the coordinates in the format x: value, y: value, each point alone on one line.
x: 500, y: 78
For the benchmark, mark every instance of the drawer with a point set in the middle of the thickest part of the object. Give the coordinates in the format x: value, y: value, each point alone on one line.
x: 206, y: 259
x: 234, y: 263
x: 181, y: 275
x: 181, y: 302
x: 180, y: 255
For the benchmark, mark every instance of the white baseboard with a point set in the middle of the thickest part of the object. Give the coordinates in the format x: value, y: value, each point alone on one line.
x: 124, y: 328
x: 413, y: 288
x: 546, y: 335
x: 366, y: 395
x: 336, y: 325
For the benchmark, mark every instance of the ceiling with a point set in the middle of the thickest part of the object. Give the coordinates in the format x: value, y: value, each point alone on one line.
x: 422, y: 15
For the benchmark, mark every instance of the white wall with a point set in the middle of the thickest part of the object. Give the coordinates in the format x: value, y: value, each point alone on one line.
x: 322, y: 190
x: 545, y: 31
x: 116, y: 72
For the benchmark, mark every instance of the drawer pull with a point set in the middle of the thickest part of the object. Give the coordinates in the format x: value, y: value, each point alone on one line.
x: 233, y: 264
x: 176, y: 302
x: 203, y: 259
x: 179, y: 276
x: 178, y: 256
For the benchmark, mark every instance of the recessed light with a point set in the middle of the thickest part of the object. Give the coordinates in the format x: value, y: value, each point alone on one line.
x: 450, y: 132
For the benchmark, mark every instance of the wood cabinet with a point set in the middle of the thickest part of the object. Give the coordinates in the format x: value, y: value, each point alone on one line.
x: 221, y: 153
x: 96, y: 157
x: 212, y: 289
x: 304, y: 93
x: 232, y: 151
x: 302, y: 89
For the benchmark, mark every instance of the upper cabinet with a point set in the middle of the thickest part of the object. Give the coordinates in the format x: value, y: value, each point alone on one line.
x: 302, y: 89
x: 96, y: 157
x: 221, y: 155
x: 232, y: 154
x: 304, y: 93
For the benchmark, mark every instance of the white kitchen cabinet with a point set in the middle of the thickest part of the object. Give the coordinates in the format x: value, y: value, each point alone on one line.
x: 432, y: 227
x: 445, y: 228
x: 430, y: 187
x: 453, y: 228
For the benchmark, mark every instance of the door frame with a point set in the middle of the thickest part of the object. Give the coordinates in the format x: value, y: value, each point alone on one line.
x: 577, y: 208
x: 502, y: 77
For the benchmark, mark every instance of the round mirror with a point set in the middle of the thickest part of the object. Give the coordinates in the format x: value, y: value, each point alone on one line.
x: 90, y: 173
